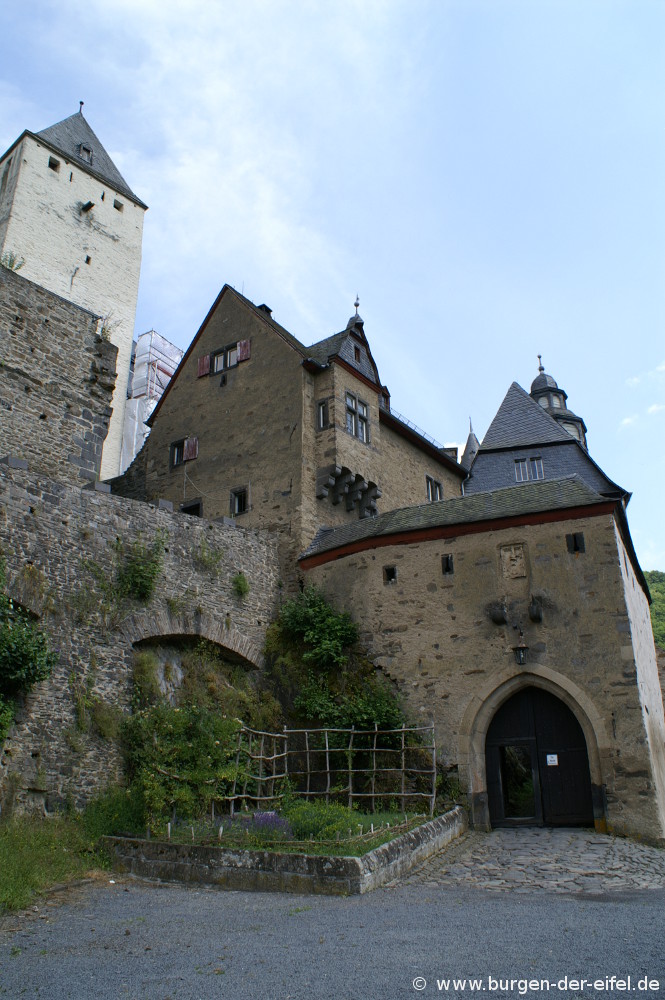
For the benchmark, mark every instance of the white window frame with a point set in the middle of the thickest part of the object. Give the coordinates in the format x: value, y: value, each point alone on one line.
x: 357, y: 417
x: 434, y: 489
x: 225, y: 359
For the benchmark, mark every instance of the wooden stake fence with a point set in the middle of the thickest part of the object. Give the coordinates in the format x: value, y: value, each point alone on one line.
x: 263, y: 760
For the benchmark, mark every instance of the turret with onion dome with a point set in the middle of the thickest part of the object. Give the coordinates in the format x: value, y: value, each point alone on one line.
x: 546, y: 392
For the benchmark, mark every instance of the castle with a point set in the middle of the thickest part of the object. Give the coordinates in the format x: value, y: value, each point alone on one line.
x: 501, y: 593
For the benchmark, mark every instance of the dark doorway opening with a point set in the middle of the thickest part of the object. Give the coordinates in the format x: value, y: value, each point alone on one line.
x: 537, y: 764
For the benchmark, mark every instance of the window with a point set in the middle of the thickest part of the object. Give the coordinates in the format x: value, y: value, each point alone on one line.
x: 536, y: 468
x: 88, y: 259
x: 228, y: 358
x: 184, y: 451
x: 118, y: 205
x: 53, y: 164
x: 85, y: 152
x: 434, y: 489
x: 575, y: 542
x: 390, y: 574
x: 177, y: 453
x: 87, y: 206
x: 357, y: 417
x: 356, y: 355
x: 447, y: 567
x: 526, y: 469
x: 322, y: 414
x: 239, y: 501
x: 194, y: 508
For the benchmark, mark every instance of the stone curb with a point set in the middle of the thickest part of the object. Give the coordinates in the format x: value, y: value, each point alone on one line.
x: 269, y: 871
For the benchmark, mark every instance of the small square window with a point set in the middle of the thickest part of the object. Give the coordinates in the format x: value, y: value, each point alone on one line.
x: 239, y: 501
x: 447, y: 566
x: 390, y: 574
x: 85, y: 152
x: 118, y: 205
x: 53, y: 164
x: 227, y: 358
x: 88, y: 259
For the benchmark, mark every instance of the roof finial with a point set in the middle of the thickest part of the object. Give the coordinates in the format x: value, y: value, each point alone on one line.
x: 357, y: 303
x: 81, y: 107
x: 470, y: 426
x: 540, y: 363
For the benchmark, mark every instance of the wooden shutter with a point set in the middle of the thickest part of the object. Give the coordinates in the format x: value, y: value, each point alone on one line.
x: 243, y: 350
x: 204, y: 365
x: 191, y: 449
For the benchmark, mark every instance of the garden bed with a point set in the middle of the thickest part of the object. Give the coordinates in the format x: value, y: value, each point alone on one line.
x: 281, y: 871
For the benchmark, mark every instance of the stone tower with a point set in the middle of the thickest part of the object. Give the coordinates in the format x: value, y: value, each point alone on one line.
x: 66, y: 210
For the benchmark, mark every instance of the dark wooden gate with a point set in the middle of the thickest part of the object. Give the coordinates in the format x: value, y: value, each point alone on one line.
x: 537, y: 764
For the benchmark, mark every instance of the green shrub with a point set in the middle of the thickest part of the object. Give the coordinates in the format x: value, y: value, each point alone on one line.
x: 325, y: 634
x: 321, y: 820
x: 139, y: 568
x: 115, y: 812
x: 240, y: 585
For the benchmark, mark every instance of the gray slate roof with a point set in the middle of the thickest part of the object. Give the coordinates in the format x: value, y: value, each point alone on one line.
x: 69, y: 134
x: 521, y: 421
x: 514, y: 501
x: 327, y: 348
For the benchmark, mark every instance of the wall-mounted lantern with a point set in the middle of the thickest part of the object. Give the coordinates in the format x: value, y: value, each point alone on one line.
x: 520, y: 650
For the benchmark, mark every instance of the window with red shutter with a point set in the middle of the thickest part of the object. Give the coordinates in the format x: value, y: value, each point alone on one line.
x: 191, y: 449
x: 243, y: 350
x: 204, y: 365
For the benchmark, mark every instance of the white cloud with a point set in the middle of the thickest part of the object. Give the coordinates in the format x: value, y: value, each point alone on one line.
x: 633, y: 381
x: 656, y: 408
x: 628, y: 421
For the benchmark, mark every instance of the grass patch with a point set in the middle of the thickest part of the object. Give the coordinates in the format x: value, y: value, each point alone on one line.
x: 36, y: 854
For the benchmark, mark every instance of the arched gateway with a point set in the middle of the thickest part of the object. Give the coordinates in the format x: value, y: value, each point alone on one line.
x: 537, y: 763
x: 530, y: 753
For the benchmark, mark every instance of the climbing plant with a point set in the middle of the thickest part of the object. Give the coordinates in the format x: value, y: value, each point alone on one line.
x: 26, y: 656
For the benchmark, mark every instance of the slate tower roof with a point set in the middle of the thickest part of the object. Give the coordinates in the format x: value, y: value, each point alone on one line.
x: 75, y: 139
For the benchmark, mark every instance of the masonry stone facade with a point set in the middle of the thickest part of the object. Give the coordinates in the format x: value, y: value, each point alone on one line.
x: 303, y: 434
x: 66, y: 210
x: 56, y: 381
x: 432, y: 632
x: 520, y: 603
x: 50, y: 534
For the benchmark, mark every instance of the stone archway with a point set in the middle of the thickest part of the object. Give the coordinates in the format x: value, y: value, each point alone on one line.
x: 163, y: 625
x: 480, y: 713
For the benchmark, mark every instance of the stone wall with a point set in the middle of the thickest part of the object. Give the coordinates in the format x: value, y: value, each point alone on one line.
x: 57, y: 540
x: 433, y: 635
x: 56, y: 381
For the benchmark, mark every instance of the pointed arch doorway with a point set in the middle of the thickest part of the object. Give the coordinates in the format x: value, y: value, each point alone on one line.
x: 537, y: 763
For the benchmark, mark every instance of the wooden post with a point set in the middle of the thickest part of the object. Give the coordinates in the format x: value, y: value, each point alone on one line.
x: 433, y: 798
x: 259, y: 785
x: 403, y: 772
x: 307, y: 759
x: 376, y: 731
x: 350, y: 764
x: 327, y: 767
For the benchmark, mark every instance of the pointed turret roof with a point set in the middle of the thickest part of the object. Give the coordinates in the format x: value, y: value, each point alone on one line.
x: 520, y: 422
x: 470, y: 449
x: 71, y: 136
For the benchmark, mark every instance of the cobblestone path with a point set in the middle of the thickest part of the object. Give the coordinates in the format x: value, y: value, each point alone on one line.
x: 549, y: 860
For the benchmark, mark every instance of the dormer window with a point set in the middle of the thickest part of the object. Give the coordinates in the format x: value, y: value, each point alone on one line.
x: 356, y: 355
x: 556, y: 402
x: 85, y: 152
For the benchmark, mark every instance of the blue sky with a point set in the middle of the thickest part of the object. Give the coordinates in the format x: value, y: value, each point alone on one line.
x: 488, y: 175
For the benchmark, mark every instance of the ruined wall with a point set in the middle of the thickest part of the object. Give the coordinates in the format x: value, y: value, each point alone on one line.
x: 432, y: 633
x: 56, y: 381
x: 50, y: 534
